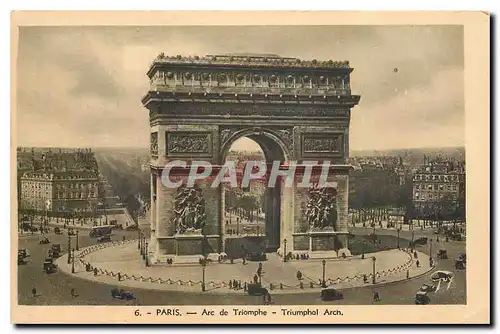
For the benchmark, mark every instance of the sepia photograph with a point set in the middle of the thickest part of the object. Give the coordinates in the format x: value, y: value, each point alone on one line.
x: 269, y: 172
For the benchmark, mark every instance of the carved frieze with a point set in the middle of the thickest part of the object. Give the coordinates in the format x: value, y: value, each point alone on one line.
x: 252, y: 110
x: 153, y: 148
x: 189, y: 143
x: 322, y: 143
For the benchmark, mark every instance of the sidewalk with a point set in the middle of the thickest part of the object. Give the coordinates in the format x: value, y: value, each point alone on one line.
x: 278, y: 277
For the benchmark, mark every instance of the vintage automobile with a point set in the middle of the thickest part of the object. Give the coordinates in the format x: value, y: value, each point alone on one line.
x: 23, y: 252
x: 257, y: 256
x: 427, y: 288
x: 55, y: 251
x: 421, y: 298
x: 71, y: 231
x: 420, y: 241
x: 21, y: 259
x: 442, y: 254
x: 49, y: 266
x: 104, y: 238
x: 441, y: 275
x: 57, y: 230
x: 331, y: 294
x: 122, y: 294
x: 44, y: 241
x: 255, y: 289
x: 460, y: 261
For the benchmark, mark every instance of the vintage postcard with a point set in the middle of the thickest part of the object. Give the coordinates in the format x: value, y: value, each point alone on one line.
x: 232, y: 167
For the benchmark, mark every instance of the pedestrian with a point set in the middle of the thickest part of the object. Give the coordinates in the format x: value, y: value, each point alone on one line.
x: 230, y: 284
x: 239, y: 285
x: 235, y: 285
x: 119, y: 277
x: 95, y: 271
x: 407, y: 274
x: 255, y: 279
x: 74, y: 293
x: 33, y: 292
x: 376, y: 296
x: 123, y: 238
x: 418, y: 263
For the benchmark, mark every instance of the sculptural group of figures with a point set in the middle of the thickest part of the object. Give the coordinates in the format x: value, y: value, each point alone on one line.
x: 189, y: 209
x: 321, y: 211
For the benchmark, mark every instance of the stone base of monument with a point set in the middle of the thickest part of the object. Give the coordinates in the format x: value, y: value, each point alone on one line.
x: 319, y: 244
x: 186, y: 248
x: 329, y: 254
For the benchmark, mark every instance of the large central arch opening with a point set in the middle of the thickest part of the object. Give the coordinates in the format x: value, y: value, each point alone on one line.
x: 252, y: 216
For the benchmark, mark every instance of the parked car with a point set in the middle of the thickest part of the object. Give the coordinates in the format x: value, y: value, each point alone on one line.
x: 122, y: 294
x: 421, y: 298
x: 331, y: 294
x: 255, y: 289
x: 57, y: 230
x: 71, y: 232
x: 427, y: 288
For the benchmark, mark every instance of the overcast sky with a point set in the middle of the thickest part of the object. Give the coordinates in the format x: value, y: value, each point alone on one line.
x: 82, y: 86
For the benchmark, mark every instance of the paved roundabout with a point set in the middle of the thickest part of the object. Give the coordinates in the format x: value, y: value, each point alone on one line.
x: 119, y: 263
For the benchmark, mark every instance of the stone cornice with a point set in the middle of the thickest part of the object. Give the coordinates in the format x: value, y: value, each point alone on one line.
x: 246, y: 61
x: 297, y: 98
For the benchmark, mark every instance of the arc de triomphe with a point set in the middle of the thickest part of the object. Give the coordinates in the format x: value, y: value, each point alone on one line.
x: 295, y: 110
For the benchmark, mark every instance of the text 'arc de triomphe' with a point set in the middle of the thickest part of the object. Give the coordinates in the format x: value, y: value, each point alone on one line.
x: 295, y: 110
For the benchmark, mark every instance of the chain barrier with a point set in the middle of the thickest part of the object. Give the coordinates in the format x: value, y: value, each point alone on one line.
x: 272, y: 286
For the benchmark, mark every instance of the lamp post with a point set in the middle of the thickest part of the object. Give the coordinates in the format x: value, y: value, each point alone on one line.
x: 412, y: 239
x: 430, y: 249
x: 139, y: 239
x: 323, y: 283
x: 374, y: 259
x: 143, y: 248
x: 73, y: 261
x: 69, y: 248
x: 203, y: 266
x: 147, y: 263
x: 399, y: 230
x: 284, y: 250
x: 77, y: 244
